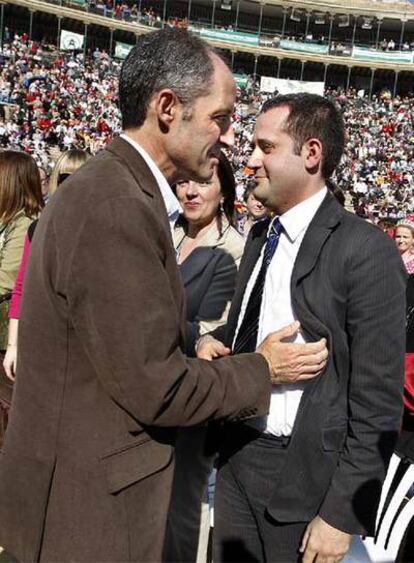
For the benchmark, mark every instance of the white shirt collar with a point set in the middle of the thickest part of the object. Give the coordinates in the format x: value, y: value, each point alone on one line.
x: 171, y: 202
x: 297, y: 219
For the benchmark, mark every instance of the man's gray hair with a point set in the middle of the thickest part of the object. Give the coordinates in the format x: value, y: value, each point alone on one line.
x: 169, y: 58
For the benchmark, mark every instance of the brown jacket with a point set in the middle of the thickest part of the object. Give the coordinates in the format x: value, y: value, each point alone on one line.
x: 102, y: 381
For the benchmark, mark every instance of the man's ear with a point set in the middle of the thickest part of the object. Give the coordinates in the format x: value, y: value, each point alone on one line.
x: 165, y: 105
x: 312, y: 152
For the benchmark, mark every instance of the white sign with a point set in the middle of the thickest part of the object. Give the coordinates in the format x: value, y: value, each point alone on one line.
x: 122, y: 50
x: 283, y: 86
x: 70, y: 41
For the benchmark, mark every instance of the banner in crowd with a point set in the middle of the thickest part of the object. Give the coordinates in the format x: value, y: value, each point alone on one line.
x: 241, y: 80
x: 79, y: 2
x: 228, y: 36
x: 285, y: 86
x: 122, y: 49
x: 70, y: 41
x: 364, y: 53
x: 304, y: 47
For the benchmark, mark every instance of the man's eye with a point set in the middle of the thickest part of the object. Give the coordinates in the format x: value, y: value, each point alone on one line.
x: 223, y: 120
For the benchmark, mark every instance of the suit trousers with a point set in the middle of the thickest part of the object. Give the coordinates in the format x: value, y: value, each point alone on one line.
x: 244, y: 531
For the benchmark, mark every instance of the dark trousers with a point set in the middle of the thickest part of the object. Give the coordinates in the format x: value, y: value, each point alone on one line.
x: 243, y: 529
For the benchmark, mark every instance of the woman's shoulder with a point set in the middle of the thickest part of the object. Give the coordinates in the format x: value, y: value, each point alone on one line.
x: 233, y: 242
x: 20, y: 221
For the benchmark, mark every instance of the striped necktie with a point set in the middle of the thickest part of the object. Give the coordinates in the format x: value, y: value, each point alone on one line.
x: 246, y: 340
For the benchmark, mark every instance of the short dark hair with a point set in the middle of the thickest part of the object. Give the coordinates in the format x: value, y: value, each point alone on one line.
x: 168, y: 58
x: 312, y: 116
x: 228, y: 187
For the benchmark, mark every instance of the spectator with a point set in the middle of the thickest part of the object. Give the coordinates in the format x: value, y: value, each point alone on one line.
x: 255, y: 210
x: 20, y: 203
x: 66, y: 165
x: 209, y: 250
x: 404, y: 238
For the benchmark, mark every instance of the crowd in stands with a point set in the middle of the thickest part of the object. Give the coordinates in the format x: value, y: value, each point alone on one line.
x: 52, y: 101
x: 140, y: 12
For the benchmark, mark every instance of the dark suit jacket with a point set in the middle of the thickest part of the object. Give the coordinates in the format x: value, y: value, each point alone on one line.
x: 348, y: 285
x: 209, y: 278
x: 86, y: 470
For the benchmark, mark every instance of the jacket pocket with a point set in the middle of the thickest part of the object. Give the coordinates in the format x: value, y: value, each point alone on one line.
x: 133, y: 462
x: 333, y: 439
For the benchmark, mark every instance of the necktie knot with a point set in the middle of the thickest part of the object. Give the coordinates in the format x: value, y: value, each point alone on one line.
x: 276, y: 227
x: 272, y: 240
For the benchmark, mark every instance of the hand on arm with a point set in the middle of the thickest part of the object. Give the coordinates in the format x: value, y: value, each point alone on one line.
x: 323, y: 543
x: 208, y: 348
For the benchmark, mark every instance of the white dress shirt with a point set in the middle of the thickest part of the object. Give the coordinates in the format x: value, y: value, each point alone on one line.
x: 171, y: 202
x: 276, y: 308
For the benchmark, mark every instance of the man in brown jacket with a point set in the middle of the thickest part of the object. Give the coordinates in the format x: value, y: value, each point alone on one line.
x: 86, y: 471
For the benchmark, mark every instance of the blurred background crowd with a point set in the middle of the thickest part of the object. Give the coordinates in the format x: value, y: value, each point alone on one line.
x: 52, y: 101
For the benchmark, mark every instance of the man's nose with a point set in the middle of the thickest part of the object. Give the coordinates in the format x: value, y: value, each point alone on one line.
x: 255, y: 160
x: 227, y: 138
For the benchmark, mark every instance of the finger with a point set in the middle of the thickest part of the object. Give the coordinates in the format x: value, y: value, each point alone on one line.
x: 205, y: 354
x: 8, y: 371
x: 313, y: 359
x: 286, y: 331
x: 207, y: 349
x: 220, y: 352
x: 309, y: 555
x: 304, y: 543
x: 312, y: 347
x: 304, y: 377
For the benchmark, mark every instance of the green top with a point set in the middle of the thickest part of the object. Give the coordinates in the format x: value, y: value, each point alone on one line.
x: 11, y: 248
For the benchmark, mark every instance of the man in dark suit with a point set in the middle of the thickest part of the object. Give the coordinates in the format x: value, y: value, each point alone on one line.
x: 102, y: 382
x: 308, y: 476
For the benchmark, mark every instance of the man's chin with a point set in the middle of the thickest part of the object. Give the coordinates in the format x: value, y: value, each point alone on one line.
x: 257, y: 192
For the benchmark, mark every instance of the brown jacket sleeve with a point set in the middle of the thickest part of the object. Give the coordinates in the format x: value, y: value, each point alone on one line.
x: 123, y: 307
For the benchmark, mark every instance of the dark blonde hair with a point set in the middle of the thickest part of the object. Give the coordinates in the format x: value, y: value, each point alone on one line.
x: 20, y: 186
x: 68, y: 162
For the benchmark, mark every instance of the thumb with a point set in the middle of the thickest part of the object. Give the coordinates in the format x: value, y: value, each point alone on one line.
x: 221, y: 351
x: 288, y: 330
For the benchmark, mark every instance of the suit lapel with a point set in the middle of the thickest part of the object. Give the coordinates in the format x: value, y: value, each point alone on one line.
x: 136, y: 164
x: 251, y: 254
x: 141, y: 172
x: 195, y: 263
x: 146, y: 181
x: 321, y: 226
x: 203, y: 253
